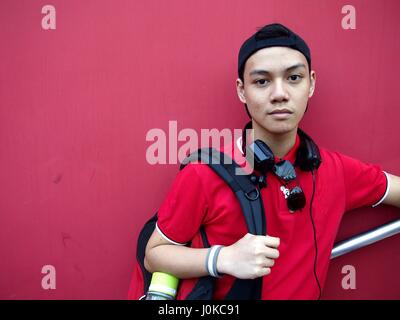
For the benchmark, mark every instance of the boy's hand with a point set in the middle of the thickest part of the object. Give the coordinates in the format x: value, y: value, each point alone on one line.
x: 250, y: 257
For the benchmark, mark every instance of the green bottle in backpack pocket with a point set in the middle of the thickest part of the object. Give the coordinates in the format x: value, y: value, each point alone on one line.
x: 163, y: 286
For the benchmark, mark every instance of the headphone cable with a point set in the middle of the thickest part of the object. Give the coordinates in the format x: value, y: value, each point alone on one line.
x: 315, y: 237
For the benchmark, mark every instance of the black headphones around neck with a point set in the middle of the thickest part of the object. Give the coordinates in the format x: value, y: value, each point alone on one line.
x: 308, y: 157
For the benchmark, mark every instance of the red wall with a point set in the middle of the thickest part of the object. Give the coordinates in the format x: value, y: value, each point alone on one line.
x: 76, y: 104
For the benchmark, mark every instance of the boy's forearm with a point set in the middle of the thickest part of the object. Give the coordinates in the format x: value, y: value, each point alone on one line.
x: 393, y: 197
x: 183, y: 262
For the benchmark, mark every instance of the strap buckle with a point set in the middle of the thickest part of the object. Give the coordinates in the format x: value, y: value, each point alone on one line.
x: 252, y: 198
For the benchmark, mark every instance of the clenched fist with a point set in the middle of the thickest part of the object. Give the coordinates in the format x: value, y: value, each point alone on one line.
x: 250, y: 257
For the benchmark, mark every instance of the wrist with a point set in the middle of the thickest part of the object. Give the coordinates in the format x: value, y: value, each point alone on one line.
x: 223, y: 261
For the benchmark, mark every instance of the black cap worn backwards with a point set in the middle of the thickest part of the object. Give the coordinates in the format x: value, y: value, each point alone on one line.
x: 272, y: 35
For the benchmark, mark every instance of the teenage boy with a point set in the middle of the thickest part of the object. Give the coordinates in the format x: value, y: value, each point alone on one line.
x: 275, y: 83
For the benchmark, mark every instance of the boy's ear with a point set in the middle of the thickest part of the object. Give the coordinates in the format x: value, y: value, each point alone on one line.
x: 313, y: 79
x: 240, y: 90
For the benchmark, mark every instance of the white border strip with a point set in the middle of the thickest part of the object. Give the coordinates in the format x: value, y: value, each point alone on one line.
x: 387, y: 190
x: 168, y: 239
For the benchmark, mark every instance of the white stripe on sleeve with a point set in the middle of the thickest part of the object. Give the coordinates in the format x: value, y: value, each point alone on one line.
x: 387, y: 190
x: 168, y: 239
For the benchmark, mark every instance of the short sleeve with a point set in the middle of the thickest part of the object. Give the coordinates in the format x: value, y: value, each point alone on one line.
x: 182, y: 212
x: 365, y: 184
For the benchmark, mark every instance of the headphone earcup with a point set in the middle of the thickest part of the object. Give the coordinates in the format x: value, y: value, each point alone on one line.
x: 308, y: 156
x: 263, y: 157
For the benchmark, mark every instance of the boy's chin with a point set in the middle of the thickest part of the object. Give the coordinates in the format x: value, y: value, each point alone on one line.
x: 280, y: 129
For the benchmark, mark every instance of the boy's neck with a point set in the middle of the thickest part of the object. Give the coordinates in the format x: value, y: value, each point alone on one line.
x: 280, y: 144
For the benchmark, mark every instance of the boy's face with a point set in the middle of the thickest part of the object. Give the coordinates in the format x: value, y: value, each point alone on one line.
x: 276, y: 89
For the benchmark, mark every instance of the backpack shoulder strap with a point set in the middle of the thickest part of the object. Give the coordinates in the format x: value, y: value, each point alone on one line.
x: 253, y: 209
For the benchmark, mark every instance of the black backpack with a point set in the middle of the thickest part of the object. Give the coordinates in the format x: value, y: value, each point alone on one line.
x: 251, y: 203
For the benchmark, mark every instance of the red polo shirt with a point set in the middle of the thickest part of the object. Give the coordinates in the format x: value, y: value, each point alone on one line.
x: 199, y: 196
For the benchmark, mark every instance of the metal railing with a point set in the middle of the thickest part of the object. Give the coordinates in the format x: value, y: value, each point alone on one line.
x: 366, y: 238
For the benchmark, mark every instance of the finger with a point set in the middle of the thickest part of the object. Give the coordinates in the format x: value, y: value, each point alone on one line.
x: 272, y: 242
x: 272, y: 253
x: 269, y: 263
x: 264, y: 271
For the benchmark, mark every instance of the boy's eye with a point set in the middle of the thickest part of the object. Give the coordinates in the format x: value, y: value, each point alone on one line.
x: 295, y: 77
x: 261, y: 82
